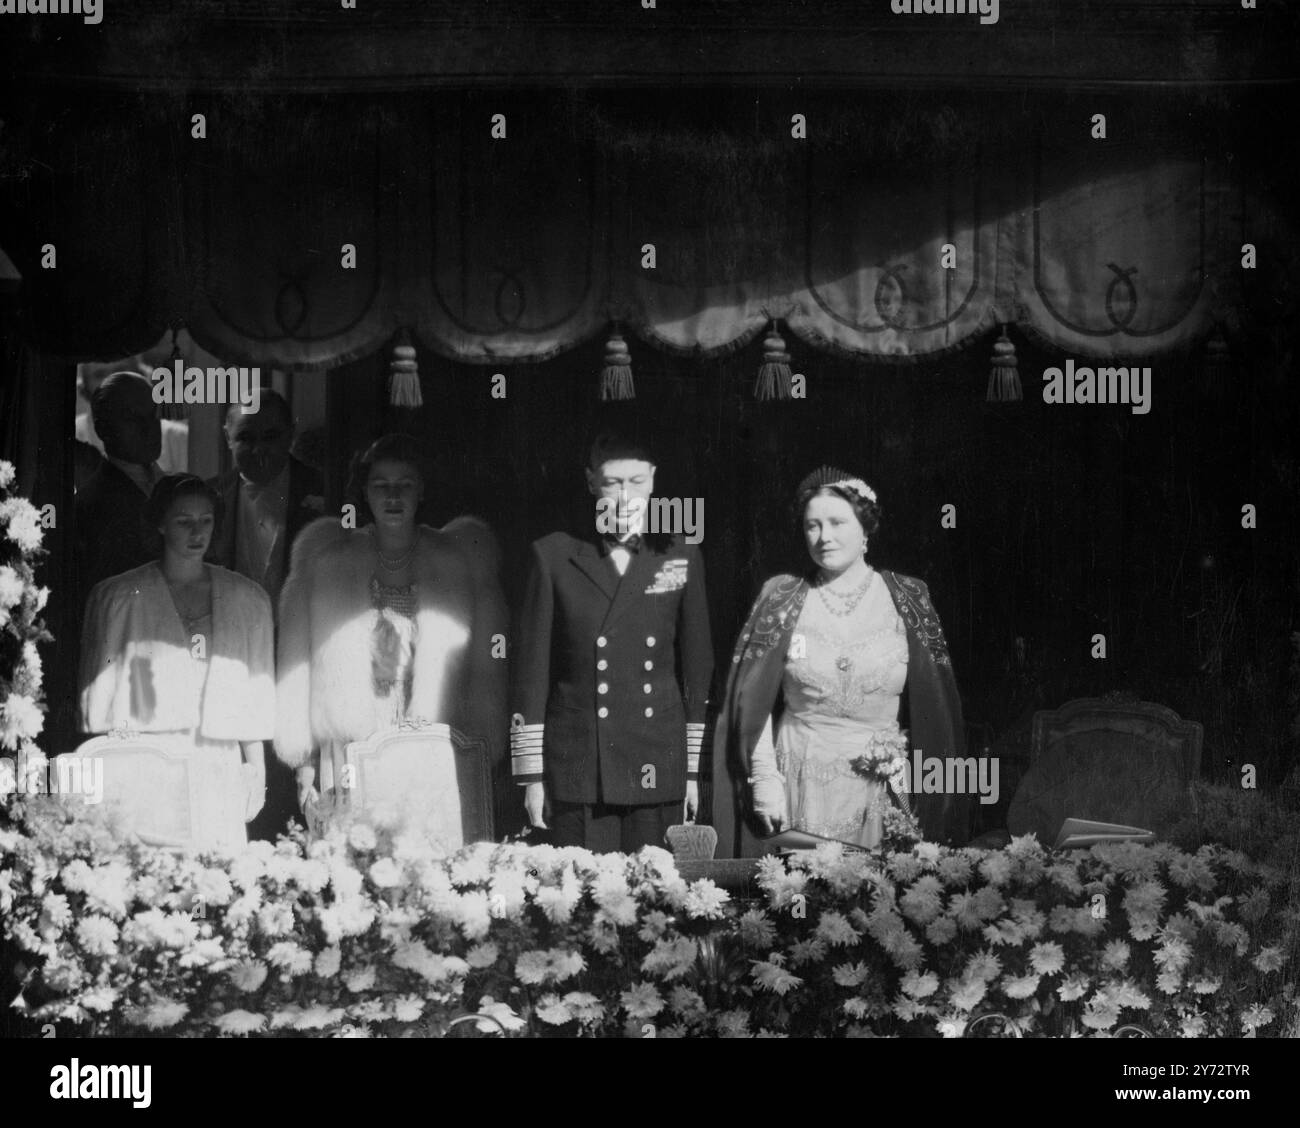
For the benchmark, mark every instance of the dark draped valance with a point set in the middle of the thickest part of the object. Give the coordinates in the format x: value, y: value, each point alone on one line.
x: 900, y: 227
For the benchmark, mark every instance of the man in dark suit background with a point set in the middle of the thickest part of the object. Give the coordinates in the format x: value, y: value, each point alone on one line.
x: 612, y: 669
x: 111, y: 535
x: 268, y: 497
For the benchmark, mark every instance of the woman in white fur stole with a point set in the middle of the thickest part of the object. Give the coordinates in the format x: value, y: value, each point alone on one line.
x: 184, y: 651
x: 389, y: 623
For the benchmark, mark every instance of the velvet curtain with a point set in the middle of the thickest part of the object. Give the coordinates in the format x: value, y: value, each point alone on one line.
x: 304, y: 235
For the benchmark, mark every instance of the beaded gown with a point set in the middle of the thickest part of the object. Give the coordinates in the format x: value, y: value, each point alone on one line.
x: 844, y: 673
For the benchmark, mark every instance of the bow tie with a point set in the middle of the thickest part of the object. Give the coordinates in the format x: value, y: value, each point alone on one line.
x: 610, y: 542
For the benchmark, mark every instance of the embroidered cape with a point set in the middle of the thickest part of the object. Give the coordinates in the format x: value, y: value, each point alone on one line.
x: 930, y: 700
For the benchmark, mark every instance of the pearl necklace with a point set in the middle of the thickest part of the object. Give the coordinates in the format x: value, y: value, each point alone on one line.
x: 851, y: 599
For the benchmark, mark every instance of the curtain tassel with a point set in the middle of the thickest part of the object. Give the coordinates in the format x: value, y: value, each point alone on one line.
x: 616, y: 375
x: 1004, y: 380
x: 404, y: 374
x: 774, y: 374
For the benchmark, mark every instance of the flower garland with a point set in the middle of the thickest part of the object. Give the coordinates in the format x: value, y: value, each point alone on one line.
x: 362, y: 933
x: 21, y: 602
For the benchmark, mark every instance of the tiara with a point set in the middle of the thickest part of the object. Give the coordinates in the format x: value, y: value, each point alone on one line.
x: 830, y: 476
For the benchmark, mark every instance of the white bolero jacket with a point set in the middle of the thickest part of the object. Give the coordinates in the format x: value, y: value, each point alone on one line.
x: 137, y: 668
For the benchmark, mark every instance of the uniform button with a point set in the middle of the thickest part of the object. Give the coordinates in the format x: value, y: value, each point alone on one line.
x: 603, y: 687
x: 649, y: 665
x: 649, y: 712
x: 601, y: 641
x: 650, y: 640
x: 646, y: 687
x: 602, y: 712
x: 602, y: 665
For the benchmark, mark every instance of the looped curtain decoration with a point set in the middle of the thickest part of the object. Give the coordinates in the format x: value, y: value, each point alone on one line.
x: 518, y: 253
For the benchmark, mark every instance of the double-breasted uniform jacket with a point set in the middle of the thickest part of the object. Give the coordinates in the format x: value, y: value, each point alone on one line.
x: 611, y: 673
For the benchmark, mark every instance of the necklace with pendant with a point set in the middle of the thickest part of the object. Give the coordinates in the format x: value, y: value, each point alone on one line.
x: 850, y: 600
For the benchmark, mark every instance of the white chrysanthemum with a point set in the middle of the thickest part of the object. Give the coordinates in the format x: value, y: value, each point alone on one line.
x: 1075, y: 987
x: 586, y: 1007
x: 984, y: 967
x: 20, y: 719
x: 686, y: 1002
x: 941, y: 931
x: 771, y: 976
x: 1193, y: 1026
x: 642, y: 1000
x: 1255, y: 1016
x: 955, y: 869
x: 553, y: 1010
x: 203, y: 953
x: 385, y: 874
x: 328, y: 962
x: 7, y: 474
x: 100, y: 999
x: 1020, y: 986
x: 996, y: 868
x: 482, y: 955
x: 24, y: 521
x: 705, y: 901
x: 248, y: 975
x: 1268, y: 959
x: 472, y: 914
x: 852, y: 975
x: 1047, y: 958
x: 920, y: 986
x: 347, y: 882
x: 240, y: 1022
x: 361, y: 836
x: 318, y: 1017
x: 162, y: 1014
x: 363, y: 979
x: 275, y: 919
x: 290, y: 958
x: 835, y: 929
x: 1114, y: 956
x: 967, y: 994
x: 11, y: 588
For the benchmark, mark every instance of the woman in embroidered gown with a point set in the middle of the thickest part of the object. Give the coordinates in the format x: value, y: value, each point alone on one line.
x: 817, y: 680
x: 391, y: 622
x: 184, y: 651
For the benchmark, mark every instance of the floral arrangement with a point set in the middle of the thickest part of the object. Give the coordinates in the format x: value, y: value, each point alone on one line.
x: 885, y: 761
x: 21, y: 602
x: 364, y: 933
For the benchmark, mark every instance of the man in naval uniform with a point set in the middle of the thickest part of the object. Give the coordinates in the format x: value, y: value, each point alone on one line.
x: 612, y: 671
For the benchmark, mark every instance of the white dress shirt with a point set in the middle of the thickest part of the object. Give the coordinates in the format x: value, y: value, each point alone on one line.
x: 260, y: 532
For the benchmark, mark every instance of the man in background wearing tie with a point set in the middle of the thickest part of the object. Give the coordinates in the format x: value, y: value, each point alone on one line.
x: 613, y: 662
x: 268, y: 497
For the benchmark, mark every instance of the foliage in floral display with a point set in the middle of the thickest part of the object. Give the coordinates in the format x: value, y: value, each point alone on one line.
x: 364, y: 933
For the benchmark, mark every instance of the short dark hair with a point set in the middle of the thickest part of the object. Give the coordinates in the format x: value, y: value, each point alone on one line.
x: 171, y: 489
x: 395, y: 447
x: 106, y: 399
x: 266, y: 396
x: 868, y: 512
x: 610, y: 446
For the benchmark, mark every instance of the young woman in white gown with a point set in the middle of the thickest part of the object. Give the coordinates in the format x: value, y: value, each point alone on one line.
x: 183, y: 652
